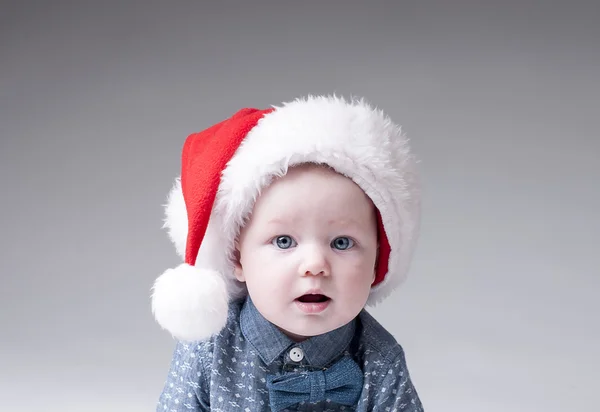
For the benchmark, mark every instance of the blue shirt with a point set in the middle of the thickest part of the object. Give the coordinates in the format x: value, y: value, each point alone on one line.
x: 228, y: 371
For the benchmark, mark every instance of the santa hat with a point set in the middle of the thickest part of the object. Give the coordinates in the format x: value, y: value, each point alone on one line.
x: 225, y: 167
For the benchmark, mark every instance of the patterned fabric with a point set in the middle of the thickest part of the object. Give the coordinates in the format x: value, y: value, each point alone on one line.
x: 229, y: 371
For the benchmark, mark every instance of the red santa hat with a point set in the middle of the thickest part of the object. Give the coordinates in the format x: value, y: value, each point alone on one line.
x: 225, y: 167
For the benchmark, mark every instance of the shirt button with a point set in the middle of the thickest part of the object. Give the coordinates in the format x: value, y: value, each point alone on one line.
x: 296, y: 354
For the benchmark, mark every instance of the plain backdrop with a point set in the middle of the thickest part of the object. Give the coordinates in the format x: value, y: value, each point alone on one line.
x: 501, y: 102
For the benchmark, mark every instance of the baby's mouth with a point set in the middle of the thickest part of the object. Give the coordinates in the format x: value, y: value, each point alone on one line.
x: 313, y: 298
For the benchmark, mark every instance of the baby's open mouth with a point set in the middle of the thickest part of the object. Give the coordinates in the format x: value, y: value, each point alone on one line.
x: 310, y: 298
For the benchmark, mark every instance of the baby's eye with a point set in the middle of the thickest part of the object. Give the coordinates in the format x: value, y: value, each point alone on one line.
x: 284, y: 242
x: 342, y: 243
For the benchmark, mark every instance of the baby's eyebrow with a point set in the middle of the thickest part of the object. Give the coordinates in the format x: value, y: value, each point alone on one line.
x: 339, y: 222
x: 280, y: 221
x: 345, y: 222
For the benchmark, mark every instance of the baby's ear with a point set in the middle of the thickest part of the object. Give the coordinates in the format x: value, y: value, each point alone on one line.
x: 376, y: 264
x: 237, y: 264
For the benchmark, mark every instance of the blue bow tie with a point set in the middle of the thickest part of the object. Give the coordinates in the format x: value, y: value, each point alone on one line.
x: 341, y: 383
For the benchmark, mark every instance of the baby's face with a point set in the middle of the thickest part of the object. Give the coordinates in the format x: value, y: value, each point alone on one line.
x: 309, y: 250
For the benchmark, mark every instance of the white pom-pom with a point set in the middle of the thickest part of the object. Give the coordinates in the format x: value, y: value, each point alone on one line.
x: 190, y: 302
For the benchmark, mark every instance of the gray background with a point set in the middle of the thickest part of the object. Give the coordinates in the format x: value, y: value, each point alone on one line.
x: 500, y: 311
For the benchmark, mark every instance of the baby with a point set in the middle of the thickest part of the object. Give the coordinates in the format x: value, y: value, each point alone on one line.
x: 290, y: 220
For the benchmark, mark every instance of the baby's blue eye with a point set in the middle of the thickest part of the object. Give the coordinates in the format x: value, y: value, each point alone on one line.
x: 342, y: 243
x: 283, y: 242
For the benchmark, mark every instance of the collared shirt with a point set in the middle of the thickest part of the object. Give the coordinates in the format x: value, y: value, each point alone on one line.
x: 228, y: 371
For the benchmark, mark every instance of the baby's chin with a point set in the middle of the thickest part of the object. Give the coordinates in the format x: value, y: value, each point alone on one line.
x: 303, y: 335
x: 312, y: 328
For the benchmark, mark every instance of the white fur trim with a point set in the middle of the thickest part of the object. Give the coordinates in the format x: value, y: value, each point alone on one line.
x: 351, y: 137
x: 190, y: 302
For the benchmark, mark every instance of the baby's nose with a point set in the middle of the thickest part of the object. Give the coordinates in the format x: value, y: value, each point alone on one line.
x: 315, y: 263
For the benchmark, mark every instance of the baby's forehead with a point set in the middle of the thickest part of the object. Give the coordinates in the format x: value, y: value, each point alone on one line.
x: 320, y: 183
x: 308, y: 191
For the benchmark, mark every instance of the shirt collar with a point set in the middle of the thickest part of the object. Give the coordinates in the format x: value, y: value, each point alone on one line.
x: 269, y: 342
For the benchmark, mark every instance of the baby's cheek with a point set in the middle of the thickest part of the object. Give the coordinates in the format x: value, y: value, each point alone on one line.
x: 358, y: 284
x: 271, y: 277
x: 361, y: 270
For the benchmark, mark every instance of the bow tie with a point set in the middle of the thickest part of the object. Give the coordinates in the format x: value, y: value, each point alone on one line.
x: 341, y: 383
